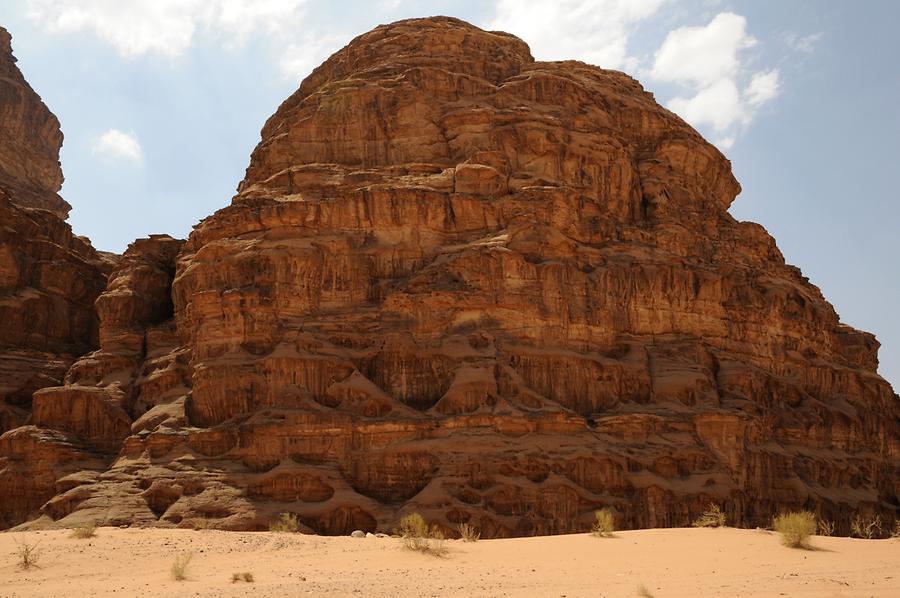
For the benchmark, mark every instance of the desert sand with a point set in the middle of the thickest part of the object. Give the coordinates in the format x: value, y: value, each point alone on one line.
x: 657, y: 562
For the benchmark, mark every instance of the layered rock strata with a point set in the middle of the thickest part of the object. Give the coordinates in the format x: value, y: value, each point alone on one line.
x: 493, y: 290
x: 49, y: 280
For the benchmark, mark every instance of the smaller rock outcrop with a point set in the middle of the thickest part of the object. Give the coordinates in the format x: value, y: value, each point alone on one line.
x: 29, y: 140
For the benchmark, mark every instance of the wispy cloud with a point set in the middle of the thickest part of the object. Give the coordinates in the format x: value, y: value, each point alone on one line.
x: 116, y: 144
x: 804, y: 43
x: 165, y: 27
x: 707, y: 61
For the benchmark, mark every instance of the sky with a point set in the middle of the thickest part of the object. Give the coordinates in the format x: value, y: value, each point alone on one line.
x: 161, y: 103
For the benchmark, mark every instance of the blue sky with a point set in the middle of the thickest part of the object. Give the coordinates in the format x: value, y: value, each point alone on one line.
x: 161, y: 103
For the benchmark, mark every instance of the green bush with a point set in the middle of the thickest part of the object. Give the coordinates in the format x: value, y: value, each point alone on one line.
x: 795, y: 528
x: 711, y: 517
x: 603, y: 526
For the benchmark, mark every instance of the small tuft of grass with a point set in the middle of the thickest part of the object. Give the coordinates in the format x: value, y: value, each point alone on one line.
x: 866, y: 527
x: 28, y: 555
x: 246, y: 576
x: 418, y: 536
x: 713, y: 516
x: 83, y: 532
x: 468, y: 532
x: 643, y: 592
x: 604, y: 525
x: 180, y: 565
x: 825, y: 528
x: 287, y: 523
x: 795, y: 528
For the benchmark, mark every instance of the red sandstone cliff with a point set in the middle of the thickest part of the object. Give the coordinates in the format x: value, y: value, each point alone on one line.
x: 459, y: 281
x: 49, y: 278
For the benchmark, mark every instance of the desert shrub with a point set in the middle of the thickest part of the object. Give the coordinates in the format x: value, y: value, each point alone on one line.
x: 201, y: 523
x: 643, y: 592
x: 246, y: 576
x: 180, y: 565
x: 287, y: 522
x: 711, y: 517
x: 603, y: 523
x: 825, y: 528
x: 468, y: 532
x: 418, y: 536
x: 795, y: 528
x: 866, y: 527
x: 28, y: 555
x: 83, y: 532
x: 896, y: 531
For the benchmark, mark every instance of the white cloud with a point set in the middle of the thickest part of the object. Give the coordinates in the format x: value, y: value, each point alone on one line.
x: 117, y: 144
x: 703, y: 55
x: 299, y: 59
x: 165, y: 27
x: 594, y: 31
x: 764, y: 86
x: 718, y: 105
x: 709, y: 63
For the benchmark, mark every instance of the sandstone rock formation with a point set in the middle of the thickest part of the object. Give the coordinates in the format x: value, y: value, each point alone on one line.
x: 459, y: 281
x: 49, y: 280
x: 29, y: 140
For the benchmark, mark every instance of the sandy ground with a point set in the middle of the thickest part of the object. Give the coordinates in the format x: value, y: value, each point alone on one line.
x: 661, y: 563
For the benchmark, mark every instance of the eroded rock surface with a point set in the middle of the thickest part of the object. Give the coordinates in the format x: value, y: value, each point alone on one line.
x: 49, y: 280
x: 492, y: 290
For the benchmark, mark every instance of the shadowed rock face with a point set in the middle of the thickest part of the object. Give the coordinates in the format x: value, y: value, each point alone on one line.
x: 493, y: 290
x: 49, y: 278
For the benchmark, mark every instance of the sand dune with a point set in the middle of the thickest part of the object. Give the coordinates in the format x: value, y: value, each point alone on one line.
x: 662, y: 562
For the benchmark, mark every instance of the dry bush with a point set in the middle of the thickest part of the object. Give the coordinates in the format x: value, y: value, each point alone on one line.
x: 896, y: 532
x: 643, y: 592
x: 288, y: 523
x: 83, y: 532
x: 202, y: 523
x: 28, y: 555
x: 711, y: 517
x: 866, y: 527
x: 180, y: 565
x: 468, y: 532
x: 825, y: 528
x: 246, y: 576
x: 603, y: 526
x: 795, y: 528
x: 418, y: 536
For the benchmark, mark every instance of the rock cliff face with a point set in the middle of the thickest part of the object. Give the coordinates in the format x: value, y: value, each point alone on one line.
x: 459, y: 281
x: 29, y: 140
x: 49, y: 278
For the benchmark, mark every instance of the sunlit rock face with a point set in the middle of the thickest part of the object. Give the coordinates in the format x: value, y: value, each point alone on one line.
x: 492, y: 290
